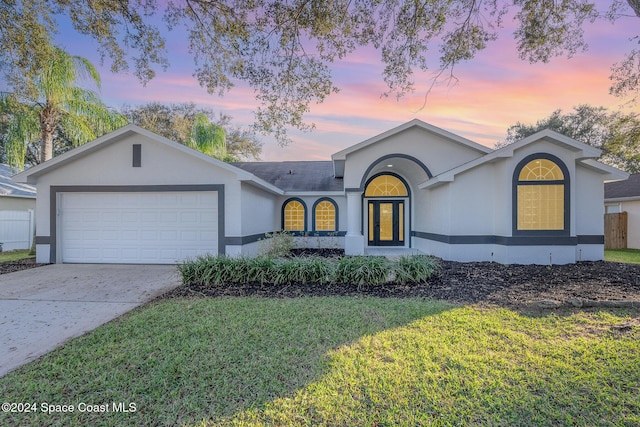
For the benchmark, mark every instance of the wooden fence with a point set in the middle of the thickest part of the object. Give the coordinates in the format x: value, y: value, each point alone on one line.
x: 615, y: 230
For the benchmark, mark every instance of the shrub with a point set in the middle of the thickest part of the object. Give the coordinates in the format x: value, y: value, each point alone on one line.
x: 301, y: 270
x: 358, y: 270
x: 414, y: 268
x: 261, y: 269
x: 214, y: 270
x: 362, y: 270
x: 277, y: 244
x: 317, y: 269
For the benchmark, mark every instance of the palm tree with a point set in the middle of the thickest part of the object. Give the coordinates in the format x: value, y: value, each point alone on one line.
x: 62, y: 108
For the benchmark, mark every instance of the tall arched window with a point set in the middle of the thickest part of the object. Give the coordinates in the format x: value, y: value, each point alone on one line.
x: 541, y: 195
x: 325, y: 215
x: 294, y: 215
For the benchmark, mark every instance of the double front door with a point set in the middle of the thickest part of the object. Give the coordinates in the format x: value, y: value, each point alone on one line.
x: 386, y: 223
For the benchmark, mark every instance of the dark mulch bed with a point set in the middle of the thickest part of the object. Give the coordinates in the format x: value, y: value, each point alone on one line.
x: 23, y: 264
x: 479, y: 282
x: 476, y: 282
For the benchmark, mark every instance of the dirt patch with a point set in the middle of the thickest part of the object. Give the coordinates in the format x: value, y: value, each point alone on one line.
x: 517, y: 286
x: 23, y: 264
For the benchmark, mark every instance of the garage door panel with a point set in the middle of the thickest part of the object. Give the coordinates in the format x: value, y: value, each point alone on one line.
x: 161, y: 228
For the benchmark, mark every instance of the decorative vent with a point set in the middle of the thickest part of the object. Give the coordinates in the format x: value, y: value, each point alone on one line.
x: 137, y: 155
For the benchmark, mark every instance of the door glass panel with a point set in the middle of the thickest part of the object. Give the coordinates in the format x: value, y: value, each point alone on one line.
x: 401, y: 221
x: 370, y: 222
x: 386, y: 221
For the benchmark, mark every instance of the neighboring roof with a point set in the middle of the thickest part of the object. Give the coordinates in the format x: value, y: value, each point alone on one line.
x: 295, y: 176
x: 585, y: 154
x: 10, y: 188
x: 623, y: 189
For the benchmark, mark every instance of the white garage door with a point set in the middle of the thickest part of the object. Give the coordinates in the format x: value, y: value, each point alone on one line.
x: 137, y: 228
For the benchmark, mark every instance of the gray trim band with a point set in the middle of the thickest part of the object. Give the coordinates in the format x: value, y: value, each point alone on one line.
x: 55, y: 189
x: 43, y: 240
x: 512, y: 241
x: 244, y: 240
x: 597, y: 239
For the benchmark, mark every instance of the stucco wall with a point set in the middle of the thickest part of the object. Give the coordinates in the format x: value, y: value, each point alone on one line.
x: 589, y: 210
x: 259, y: 211
x: 475, y: 202
x: 17, y: 203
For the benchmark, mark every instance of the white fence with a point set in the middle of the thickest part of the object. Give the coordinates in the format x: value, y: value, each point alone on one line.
x: 16, y: 229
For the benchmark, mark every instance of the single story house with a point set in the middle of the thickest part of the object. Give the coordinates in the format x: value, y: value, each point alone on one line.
x: 134, y: 197
x: 624, y: 196
x: 17, y: 207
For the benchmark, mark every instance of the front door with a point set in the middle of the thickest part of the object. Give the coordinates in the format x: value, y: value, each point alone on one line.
x: 386, y: 223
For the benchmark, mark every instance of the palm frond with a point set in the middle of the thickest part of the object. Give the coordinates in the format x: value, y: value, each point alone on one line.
x: 23, y: 129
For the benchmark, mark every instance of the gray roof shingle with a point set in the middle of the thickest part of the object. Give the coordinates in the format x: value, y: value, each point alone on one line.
x: 10, y: 188
x: 296, y: 176
x: 627, y: 188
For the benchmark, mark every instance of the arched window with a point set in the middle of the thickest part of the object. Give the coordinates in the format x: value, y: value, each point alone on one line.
x: 325, y: 215
x: 386, y: 186
x: 294, y: 215
x: 541, y: 192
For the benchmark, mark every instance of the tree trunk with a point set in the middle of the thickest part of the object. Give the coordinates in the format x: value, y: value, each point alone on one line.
x: 47, y: 126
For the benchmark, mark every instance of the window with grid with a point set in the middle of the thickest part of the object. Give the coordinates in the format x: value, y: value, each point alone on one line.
x: 541, y: 196
x: 294, y: 216
x: 325, y: 216
x: 386, y: 186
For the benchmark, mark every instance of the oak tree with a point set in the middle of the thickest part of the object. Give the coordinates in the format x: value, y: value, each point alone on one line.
x: 284, y: 49
x: 617, y: 134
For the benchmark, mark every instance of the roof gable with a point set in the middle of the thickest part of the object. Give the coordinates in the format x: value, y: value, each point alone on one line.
x: 108, y: 139
x: 340, y: 157
x: 31, y: 175
x: 584, y: 153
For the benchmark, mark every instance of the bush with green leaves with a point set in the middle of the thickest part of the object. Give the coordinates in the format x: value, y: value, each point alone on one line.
x: 302, y: 270
x: 215, y: 270
x: 363, y: 270
x: 414, y: 268
x: 358, y: 270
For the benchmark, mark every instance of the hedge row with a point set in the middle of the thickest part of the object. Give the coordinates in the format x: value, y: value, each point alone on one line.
x: 359, y: 270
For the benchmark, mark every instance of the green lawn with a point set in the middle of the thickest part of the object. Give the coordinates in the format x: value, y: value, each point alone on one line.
x: 339, y: 361
x: 623, y: 255
x: 15, y: 255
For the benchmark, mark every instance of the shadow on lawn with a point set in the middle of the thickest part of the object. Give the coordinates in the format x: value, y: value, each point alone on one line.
x: 469, y: 366
x: 187, y: 359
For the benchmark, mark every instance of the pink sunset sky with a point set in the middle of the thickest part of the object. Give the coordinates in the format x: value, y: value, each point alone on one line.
x: 494, y: 91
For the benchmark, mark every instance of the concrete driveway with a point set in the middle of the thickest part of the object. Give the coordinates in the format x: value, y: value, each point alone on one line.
x: 41, y: 308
